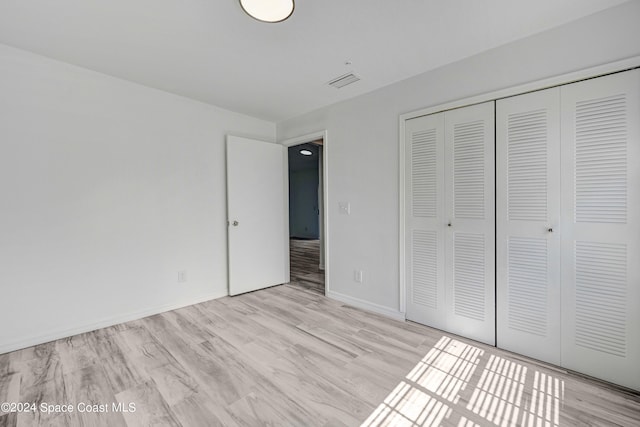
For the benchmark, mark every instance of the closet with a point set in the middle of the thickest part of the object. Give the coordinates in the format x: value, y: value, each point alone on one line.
x: 568, y: 226
x: 551, y: 264
x: 450, y: 221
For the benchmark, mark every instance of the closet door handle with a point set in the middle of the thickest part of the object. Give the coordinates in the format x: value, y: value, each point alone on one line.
x: 550, y: 230
x: 449, y: 225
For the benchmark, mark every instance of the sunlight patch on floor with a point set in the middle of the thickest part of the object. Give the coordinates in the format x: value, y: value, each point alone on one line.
x: 442, y: 387
x: 446, y: 369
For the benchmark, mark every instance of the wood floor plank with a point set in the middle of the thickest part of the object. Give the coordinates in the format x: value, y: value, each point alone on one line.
x: 5, y: 365
x: 43, y: 382
x: 117, y: 366
x: 187, y: 327
x: 9, y: 420
x: 197, y: 410
x: 174, y: 383
x: 92, y: 396
x: 344, y: 344
x: 150, y: 408
x: 209, y: 318
x: 276, y: 310
x: 254, y: 410
x: 232, y: 325
x: 143, y: 349
x: 10, y: 388
x: 187, y: 399
x: 10, y: 379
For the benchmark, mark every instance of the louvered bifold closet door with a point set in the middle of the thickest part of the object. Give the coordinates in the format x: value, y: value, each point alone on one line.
x: 528, y: 216
x: 470, y: 228
x: 424, y: 168
x: 601, y: 227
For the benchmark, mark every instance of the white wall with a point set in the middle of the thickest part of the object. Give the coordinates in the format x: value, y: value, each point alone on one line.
x: 363, y: 139
x: 107, y: 190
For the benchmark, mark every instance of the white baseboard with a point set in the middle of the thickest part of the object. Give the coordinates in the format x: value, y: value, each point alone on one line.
x: 103, y: 323
x: 366, y: 305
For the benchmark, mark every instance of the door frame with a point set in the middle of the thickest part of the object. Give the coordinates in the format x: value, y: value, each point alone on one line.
x: 572, y: 77
x: 303, y: 139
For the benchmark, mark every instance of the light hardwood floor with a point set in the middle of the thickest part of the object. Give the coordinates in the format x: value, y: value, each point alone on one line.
x: 288, y: 356
x: 305, y: 261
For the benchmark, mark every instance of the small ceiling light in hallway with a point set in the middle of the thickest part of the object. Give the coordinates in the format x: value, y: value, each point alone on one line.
x: 268, y: 10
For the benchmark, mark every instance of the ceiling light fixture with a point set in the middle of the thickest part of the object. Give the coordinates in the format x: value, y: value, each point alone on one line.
x: 268, y: 10
x: 306, y: 152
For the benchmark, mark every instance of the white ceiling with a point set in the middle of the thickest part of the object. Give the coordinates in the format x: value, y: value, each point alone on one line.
x: 211, y: 51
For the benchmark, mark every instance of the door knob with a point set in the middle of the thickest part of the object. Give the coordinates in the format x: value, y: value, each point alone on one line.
x: 235, y: 223
x: 550, y: 230
x: 449, y: 225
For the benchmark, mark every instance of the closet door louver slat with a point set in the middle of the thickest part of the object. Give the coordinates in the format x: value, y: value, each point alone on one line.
x: 424, y: 272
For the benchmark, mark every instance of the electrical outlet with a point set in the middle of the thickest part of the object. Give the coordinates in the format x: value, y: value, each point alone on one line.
x: 182, y: 276
x: 357, y: 276
x: 344, y: 208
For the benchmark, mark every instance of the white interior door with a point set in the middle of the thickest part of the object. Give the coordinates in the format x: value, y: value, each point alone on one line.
x: 257, y: 215
x: 470, y: 217
x: 528, y: 228
x: 424, y: 221
x: 601, y: 227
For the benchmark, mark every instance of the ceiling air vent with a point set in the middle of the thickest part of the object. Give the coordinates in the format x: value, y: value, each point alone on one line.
x: 342, y: 81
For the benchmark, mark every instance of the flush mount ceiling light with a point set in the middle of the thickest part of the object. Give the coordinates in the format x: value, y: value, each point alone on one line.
x: 306, y: 152
x: 268, y: 10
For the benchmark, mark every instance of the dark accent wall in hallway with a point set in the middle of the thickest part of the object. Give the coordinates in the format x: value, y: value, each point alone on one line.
x: 303, y: 192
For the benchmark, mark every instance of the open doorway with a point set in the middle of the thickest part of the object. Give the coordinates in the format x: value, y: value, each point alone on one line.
x: 306, y: 215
